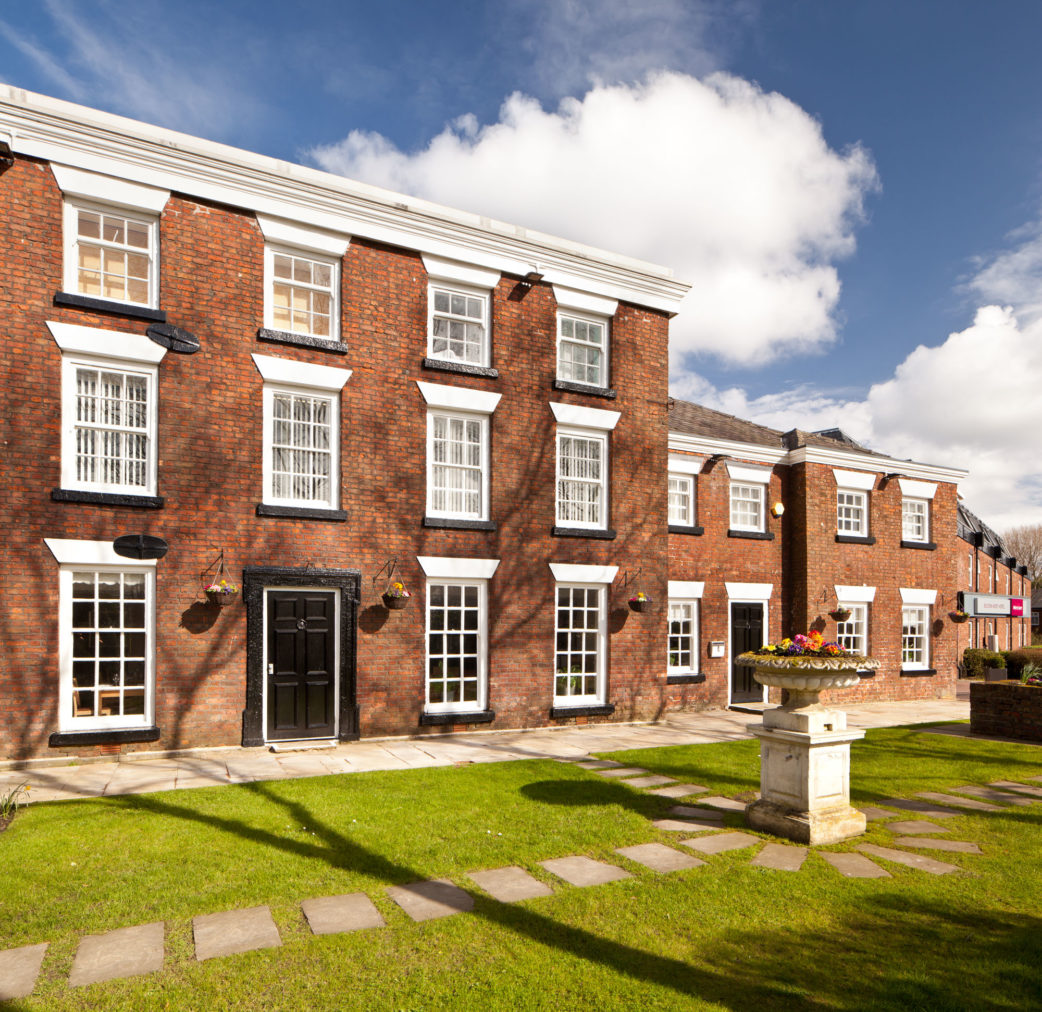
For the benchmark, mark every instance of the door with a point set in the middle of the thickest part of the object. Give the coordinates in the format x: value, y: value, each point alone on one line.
x: 301, y: 664
x: 746, y: 634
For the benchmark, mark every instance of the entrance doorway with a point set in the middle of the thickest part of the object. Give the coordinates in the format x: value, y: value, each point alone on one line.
x: 746, y: 634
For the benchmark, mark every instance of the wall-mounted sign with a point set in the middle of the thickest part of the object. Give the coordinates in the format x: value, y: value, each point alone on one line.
x: 716, y: 648
x: 995, y: 605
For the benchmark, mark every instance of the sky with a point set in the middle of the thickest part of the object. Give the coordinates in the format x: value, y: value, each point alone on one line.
x: 854, y: 190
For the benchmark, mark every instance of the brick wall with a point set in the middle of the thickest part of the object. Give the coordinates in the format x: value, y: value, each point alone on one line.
x: 1006, y: 710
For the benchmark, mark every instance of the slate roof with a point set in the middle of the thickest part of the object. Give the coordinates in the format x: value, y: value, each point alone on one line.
x: 696, y: 420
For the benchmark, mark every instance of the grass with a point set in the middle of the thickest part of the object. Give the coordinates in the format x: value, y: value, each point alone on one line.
x: 724, y: 936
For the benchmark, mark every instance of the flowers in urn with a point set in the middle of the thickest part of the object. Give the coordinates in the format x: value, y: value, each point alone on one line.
x: 811, y: 645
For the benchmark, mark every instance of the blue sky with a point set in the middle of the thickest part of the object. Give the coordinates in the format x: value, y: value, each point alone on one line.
x: 853, y: 188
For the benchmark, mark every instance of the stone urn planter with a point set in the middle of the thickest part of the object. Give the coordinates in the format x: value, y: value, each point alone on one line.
x: 805, y: 749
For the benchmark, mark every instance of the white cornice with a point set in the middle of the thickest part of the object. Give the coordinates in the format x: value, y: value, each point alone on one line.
x: 881, y: 465
x: 75, y: 135
x: 685, y: 442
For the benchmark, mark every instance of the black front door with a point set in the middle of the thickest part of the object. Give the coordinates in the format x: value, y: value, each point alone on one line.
x: 746, y: 634
x: 301, y: 680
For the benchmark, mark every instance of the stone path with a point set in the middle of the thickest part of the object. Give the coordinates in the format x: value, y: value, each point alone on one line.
x: 137, y: 950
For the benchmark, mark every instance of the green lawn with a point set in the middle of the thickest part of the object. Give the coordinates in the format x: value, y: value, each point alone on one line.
x: 723, y: 936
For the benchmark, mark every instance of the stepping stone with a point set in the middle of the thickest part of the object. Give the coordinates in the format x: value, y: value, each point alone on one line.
x: 19, y: 969
x: 874, y: 814
x: 1033, y: 778
x: 685, y: 811
x: 854, y: 865
x: 916, y: 861
x: 679, y: 790
x: 910, y: 805
x: 1012, y: 785
x: 727, y: 804
x: 508, y: 885
x: 653, y: 781
x: 917, y: 827
x: 234, y: 931
x: 990, y: 795
x: 329, y: 915
x: 957, y: 802
x: 437, y: 897
x: 584, y: 871
x: 659, y: 858
x: 686, y: 825
x: 126, y: 952
x: 626, y: 771
x: 780, y: 857
x: 720, y: 842
x: 956, y: 846
x: 597, y: 764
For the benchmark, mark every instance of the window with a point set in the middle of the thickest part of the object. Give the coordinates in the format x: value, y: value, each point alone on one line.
x: 582, y: 466
x: 455, y: 646
x: 457, y: 465
x: 301, y: 465
x: 682, y: 500
x: 582, y: 349
x: 581, y: 635
x: 915, y: 520
x: 459, y: 300
x: 852, y: 635
x: 747, y: 507
x: 852, y: 513
x: 109, y: 418
x: 915, y: 648
x: 682, y: 643
x: 303, y: 294
x: 105, y: 637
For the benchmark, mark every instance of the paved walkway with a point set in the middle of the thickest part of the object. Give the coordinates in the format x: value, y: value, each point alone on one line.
x: 139, y: 774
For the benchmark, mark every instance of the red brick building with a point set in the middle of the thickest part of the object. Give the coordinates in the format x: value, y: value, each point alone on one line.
x: 316, y: 390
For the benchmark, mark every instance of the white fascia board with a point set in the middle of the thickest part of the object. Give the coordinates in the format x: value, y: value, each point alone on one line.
x: 855, y: 595
x: 585, y: 418
x: 109, y: 189
x: 441, y: 269
x: 301, y: 237
x: 68, y: 552
x: 917, y: 489
x: 102, y: 343
x: 300, y: 374
x: 70, y: 134
x: 686, y: 588
x: 682, y: 463
x: 912, y: 595
x: 438, y: 567
x: 841, y: 458
x: 584, y: 302
x: 568, y: 573
x: 749, y: 591
x: 747, y: 472
x: 685, y: 442
x: 437, y: 395
x: 860, y: 480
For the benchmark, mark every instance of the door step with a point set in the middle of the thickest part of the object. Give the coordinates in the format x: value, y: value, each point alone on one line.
x: 748, y: 707
x: 301, y: 746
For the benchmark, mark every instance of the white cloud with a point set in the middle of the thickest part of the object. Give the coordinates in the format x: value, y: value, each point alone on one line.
x: 1014, y: 276
x: 732, y: 187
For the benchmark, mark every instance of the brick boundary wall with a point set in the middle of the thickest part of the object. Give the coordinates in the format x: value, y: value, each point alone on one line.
x: 1006, y: 709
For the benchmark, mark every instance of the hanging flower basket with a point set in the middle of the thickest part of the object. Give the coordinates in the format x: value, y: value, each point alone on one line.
x: 396, y: 597
x: 640, y: 602
x: 958, y: 617
x: 840, y: 614
x: 221, y: 597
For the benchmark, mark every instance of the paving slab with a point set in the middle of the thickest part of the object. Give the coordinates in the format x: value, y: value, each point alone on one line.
x: 727, y: 804
x: 330, y: 915
x: 584, y: 871
x: 956, y: 802
x: 233, y: 931
x: 125, y: 952
x: 598, y: 764
x: 686, y: 825
x: 854, y: 865
x: 874, y: 814
x: 625, y: 771
x: 694, y: 812
x: 1033, y: 778
x: 19, y: 969
x: 917, y: 826
x: 780, y: 857
x: 1012, y: 785
x: 652, y: 781
x: 991, y: 795
x: 679, y: 790
x: 659, y: 857
x: 911, y: 805
x: 510, y: 884
x: 916, y: 861
x: 953, y: 846
x: 426, y: 901
x: 720, y: 842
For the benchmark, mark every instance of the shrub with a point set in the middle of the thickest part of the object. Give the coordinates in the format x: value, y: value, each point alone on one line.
x: 1016, y: 660
x: 976, y: 661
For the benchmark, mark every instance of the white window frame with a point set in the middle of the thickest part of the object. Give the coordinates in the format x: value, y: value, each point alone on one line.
x: 484, y: 356
x: 850, y: 638
x: 759, y: 499
x: 600, y: 484
x: 604, y: 323
x: 601, y: 646
x: 916, y: 616
x: 463, y: 417
x: 917, y: 513
x: 692, y: 604
x: 682, y: 488
x: 469, y: 280
x: 481, y: 703
x: 333, y: 291
x: 75, y: 556
x: 852, y: 512
x: 590, y: 308
x: 594, y: 424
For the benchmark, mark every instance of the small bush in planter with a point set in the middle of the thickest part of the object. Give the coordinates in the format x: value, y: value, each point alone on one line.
x: 1017, y: 660
x: 1032, y: 674
x: 976, y: 661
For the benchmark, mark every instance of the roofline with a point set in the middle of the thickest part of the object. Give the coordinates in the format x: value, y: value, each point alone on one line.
x: 64, y: 132
x: 686, y: 442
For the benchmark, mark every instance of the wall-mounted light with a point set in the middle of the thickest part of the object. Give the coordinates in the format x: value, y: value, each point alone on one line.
x: 6, y: 156
x: 777, y: 509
